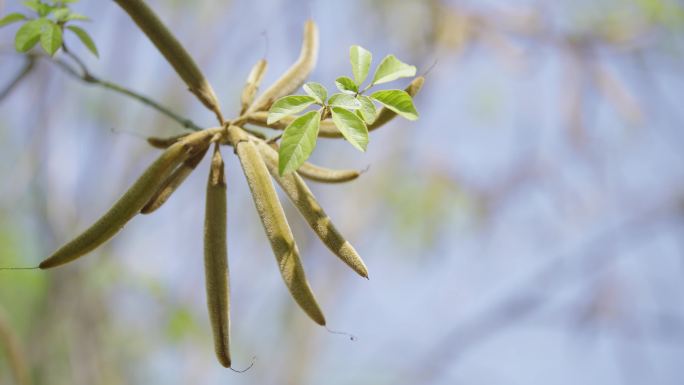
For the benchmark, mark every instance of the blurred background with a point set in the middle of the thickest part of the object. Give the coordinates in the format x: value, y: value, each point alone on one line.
x: 528, y: 229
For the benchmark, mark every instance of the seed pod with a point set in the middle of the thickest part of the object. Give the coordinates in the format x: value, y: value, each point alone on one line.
x: 216, y: 259
x: 296, y: 74
x: 320, y: 174
x: 10, y: 342
x: 173, y: 51
x: 277, y: 229
x: 313, y: 213
x: 327, y: 128
x: 164, y: 143
x: 172, y: 183
x: 130, y: 203
x: 254, y: 79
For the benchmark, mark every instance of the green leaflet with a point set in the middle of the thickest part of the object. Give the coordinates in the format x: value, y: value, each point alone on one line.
x: 299, y: 141
x: 345, y: 101
x: 392, y: 68
x: 288, y: 105
x: 28, y: 34
x: 351, y: 126
x: 85, y: 39
x: 316, y: 91
x: 11, y: 18
x: 360, y: 61
x: 398, y: 101
x: 368, y: 112
x: 51, y: 37
x: 346, y: 85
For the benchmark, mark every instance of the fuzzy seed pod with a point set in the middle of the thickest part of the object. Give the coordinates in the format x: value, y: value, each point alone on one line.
x: 295, y: 76
x: 173, y: 182
x: 164, y: 143
x: 254, y: 79
x: 130, y: 203
x: 216, y: 259
x: 173, y: 51
x: 320, y: 174
x: 327, y: 128
x: 300, y: 195
x: 277, y: 229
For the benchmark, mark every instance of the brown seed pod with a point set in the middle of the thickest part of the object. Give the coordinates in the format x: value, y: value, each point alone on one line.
x: 300, y: 195
x: 173, y: 51
x: 216, y: 259
x: 173, y: 182
x: 327, y: 128
x: 251, y: 87
x: 130, y: 203
x: 275, y: 224
x: 296, y: 74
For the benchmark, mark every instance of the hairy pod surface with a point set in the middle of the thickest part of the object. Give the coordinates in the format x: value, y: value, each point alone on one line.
x: 130, y: 203
x: 216, y: 259
x: 171, y: 184
x: 296, y: 74
x: 256, y: 75
x: 320, y: 174
x: 277, y: 229
x: 327, y: 128
x: 307, y: 205
x: 173, y: 51
x: 164, y: 143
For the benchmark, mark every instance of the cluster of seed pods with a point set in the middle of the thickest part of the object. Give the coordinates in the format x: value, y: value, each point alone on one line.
x: 259, y: 161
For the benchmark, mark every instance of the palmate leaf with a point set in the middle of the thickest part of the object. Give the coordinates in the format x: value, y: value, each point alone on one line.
x: 299, y: 141
x: 398, y: 101
x: 392, y: 68
x: 351, y: 126
x: 360, y: 61
x: 288, y: 105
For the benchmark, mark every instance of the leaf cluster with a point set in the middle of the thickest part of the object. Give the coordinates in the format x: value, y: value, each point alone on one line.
x: 351, y: 109
x: 46, y: 23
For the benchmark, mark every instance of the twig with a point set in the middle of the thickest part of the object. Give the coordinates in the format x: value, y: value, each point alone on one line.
x: 30, y: 63
x: 86, y: 76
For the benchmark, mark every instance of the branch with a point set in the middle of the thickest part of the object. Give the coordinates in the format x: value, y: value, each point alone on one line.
x: 30, y: 63
x: 84, y: 74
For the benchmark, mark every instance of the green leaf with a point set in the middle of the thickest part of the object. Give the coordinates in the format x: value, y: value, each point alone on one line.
x: 299, y: 141
x: 61, y: 14
x: 392, y: 68
x: 351, y: 126
x: 367, y: 111
x: 76, y: 17
x: 11, y: 18
x: 398, y: 101
x: 85, y: 38
x: 42, y: 9
x: 28, y: 35
x: 346, y: 85
x: 51, y: 37
x: 288, y: 105
x: 360, y: 61
x: 316, y: 91
x: 345, y: 101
